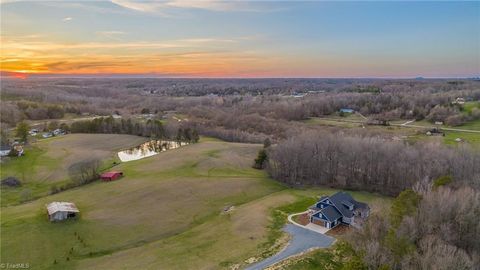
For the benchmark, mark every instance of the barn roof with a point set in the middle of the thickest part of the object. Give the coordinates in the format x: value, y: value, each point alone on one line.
x: 54, y: 207
x: 110, y: 174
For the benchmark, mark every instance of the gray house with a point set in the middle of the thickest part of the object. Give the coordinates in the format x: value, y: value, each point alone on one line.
x: 339, y: 208
x: 58, y: 211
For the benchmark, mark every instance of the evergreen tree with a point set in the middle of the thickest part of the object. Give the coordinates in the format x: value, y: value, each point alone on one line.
x: 261, y: 159
x: 22, y: 131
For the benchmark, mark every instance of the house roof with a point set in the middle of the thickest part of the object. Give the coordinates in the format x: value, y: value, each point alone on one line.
x: 342, y: 199
x: 331, y: 213
x: 54, y: 207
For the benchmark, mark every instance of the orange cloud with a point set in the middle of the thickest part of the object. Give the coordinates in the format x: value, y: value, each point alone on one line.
x: 208, y: 56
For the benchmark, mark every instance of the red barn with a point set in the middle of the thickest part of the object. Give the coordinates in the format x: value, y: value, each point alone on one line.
x: 110, y: 176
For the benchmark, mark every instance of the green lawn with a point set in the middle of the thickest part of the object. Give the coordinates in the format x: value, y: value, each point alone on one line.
x: 45, y: 162
x: 468, y: 106
x: 25, y: 169
x: 473, y: 125
x: 471, y: 138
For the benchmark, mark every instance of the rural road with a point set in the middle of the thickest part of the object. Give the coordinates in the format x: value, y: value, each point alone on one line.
x: 302, y: 240
x: 407, y: 124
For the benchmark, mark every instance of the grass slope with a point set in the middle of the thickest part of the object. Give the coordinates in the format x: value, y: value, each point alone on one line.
x: 166, y: 213
x: 46, y: 162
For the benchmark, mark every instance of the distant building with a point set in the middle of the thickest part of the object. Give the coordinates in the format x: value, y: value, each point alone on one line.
x: 339, y: 208
x: 58, y: 132
x: 345, y: 110
x: 111, y: 176
x: 298, y: 95
x: 58, y: 211
x: 33, y: 132
x: 435, y: 132
x: 439, y: 123
x: 5, y: 150
x: 459, y: 101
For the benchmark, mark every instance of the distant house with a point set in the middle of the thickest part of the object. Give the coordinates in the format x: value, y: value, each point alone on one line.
x: 58, y: 132
x: 459, y: 101
x: 111, y: 176
x: 345, y: 110
x: 298, y: 95
x: 339, y: 208
x: 5, y: 150
x: 33, y: 132
x: 58, y: 211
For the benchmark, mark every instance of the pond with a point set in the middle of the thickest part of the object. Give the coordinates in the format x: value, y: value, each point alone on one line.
x: 148, y: 149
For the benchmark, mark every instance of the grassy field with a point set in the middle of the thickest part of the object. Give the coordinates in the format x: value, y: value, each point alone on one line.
x: 46, y: 161
x: 166, y: 213
x: 468, y: 106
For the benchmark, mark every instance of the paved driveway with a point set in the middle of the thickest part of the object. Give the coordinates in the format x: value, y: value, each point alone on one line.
x: 302, y: 240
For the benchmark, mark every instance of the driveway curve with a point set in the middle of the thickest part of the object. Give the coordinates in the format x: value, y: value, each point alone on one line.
x: 302, y: 240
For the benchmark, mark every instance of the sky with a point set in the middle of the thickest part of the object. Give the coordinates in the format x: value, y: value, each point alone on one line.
x: 241, y: 39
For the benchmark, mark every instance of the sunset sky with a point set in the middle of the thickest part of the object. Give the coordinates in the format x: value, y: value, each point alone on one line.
x: 241, y: 39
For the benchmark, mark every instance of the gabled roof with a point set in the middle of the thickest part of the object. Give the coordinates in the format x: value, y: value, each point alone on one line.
x: 54, y: 207
x: 331, y: 213
x: 341, y: 201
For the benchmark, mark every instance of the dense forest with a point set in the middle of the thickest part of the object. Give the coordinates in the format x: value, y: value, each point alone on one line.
x: 433, y: 228
x: 365, y: 163
x: 241, y: 110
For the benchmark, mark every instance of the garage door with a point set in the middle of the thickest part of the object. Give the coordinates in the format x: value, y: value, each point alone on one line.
x: 319, y: 222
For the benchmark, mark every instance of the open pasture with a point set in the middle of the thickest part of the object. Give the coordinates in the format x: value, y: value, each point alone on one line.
x: 46, y: 161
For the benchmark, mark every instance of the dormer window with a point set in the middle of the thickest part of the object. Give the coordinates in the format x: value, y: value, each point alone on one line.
x: 347, y: 204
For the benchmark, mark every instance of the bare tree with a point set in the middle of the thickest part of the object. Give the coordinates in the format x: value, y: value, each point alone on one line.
x: 85, y: 171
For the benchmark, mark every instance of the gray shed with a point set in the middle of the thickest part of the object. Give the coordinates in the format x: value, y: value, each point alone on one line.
x: 58, y: 211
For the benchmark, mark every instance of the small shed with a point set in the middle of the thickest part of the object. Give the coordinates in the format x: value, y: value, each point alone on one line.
x: 58, y: 211
x: 346, y: 110
x: 111, y: 176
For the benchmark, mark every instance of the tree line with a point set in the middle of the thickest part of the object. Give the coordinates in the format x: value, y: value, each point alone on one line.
x: 150, y: 128
x: 365, y: 163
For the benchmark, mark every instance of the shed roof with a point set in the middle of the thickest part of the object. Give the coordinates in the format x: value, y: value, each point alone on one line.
x: 110, y: 174
x: 54, y: 207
